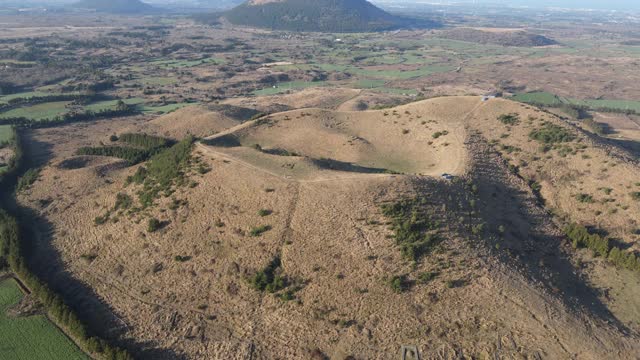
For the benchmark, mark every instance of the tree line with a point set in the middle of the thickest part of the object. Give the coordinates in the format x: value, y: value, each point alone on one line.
x: 70, y: 117
x: 32, y: 100
x: 142, y: 147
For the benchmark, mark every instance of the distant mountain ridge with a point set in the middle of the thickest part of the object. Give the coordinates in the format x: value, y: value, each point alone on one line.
x: 116, y: 6
x: 316, y: 15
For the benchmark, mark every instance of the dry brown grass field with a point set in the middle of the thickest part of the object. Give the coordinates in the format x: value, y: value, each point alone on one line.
x: 322, y: 175
x: 345, y: 195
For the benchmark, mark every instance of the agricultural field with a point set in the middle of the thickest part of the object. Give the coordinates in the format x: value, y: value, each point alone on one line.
x: 287, y: 86
x: 33, y: 336
x: 52, y: 109
x: 38, y: 112
x: 178, y: 64
x: 6, y: 133
x: 549, y: 99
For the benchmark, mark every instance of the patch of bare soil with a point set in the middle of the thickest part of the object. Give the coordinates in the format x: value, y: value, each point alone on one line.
x: 27, y: 306
x: 5, y: 156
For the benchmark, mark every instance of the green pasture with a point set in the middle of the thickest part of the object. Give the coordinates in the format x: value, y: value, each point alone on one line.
x: 548, y: 99
x: 177, y: 64
x: 39, y: 111
x: 6, y: 133
x: 292, y: 85
x: 30, y: 337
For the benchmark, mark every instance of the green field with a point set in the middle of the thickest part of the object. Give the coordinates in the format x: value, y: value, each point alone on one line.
x: 50, y: 110
x: 111, y: 104
x: 32, y: 337
x: 177, y: 64
x: 293, y: 85
x: 163, y: 109
x: 613, y: 104
x: 161, y: 81
x: 549, y: 99
x: 368, y: 84
x: 544, y: 98
x: 39, y: 111
x: 40, y: 92
x: 5, y: 133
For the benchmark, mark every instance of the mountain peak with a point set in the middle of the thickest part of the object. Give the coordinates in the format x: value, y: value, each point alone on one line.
x: 315, y: 15
x: 116, y: 6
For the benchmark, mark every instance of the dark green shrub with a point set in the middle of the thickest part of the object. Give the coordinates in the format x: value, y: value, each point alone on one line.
x: 29, y: 177
x: 426, y: 277
x: 411, y: 227
x: 123, y: 202
x: 585, y: 198
x: 581, y: 238
x: 264, y: 212
x: 259, y: 230
x: 181, y: 258
x: 153, y: 225
x: 99, y: 220
x: 399, y: 283
x: 551, y: 134
x: 267, y: 279
x: 509, y: 119
x: 438, y: 134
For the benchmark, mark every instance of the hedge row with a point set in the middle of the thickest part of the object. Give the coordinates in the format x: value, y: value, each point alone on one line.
x: 68, y: 118
x: 32, y: 100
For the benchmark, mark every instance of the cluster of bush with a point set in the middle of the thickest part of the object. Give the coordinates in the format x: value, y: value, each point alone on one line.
x: 509, y: 119
x: 268, y: 279
x: 551, y: 134
x: 600, y: 245
x: 412, y: 227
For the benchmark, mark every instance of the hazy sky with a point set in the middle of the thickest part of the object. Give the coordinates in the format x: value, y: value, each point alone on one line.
x: 591, y: 4
x: 580, y: 4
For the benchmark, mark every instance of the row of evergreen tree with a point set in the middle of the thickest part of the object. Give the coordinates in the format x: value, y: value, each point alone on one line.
x: 69, y: 117
x: 142, y: 147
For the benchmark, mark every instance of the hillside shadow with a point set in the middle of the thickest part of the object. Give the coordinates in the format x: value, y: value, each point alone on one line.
x: 527, y: 243
x: 630, y: 145
x: 226, y: 141
x: 337, y: 165
x: 46, y: 263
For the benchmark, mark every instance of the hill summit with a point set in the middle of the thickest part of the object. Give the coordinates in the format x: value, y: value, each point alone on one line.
x: 315, y: 15
x: 116, y: 6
